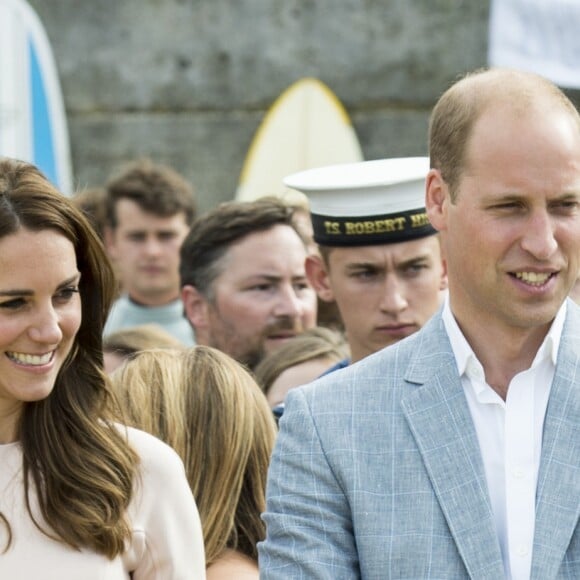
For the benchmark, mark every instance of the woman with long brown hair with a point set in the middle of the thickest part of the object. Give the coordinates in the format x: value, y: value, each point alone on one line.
x: 80, y: 495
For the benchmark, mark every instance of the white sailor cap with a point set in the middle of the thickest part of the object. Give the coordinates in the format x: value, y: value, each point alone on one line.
x: 366, y: 203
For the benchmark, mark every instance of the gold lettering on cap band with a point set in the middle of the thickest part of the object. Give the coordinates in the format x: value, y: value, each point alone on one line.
x: 419, y: 219
x: 374, y: 226
x: 366, y: 230
x: 332, y: 227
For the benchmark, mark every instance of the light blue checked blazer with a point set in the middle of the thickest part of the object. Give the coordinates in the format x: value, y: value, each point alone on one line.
x: 377, y: 473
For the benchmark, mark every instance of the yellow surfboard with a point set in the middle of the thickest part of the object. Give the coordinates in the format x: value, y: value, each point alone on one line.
x: 307, y: 126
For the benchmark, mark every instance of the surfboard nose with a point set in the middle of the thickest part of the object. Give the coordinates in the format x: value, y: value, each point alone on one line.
x: 306, y: 126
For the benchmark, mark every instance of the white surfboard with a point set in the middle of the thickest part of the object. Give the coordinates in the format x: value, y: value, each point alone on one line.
x: 306, y: 127
x: 33, y: 123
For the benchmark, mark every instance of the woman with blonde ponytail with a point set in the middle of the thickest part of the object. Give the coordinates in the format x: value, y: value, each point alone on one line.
x: 212, y: 412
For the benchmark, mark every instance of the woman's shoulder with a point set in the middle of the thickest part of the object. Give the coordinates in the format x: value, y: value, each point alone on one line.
x: 156, y: 457
x: 233, y: 566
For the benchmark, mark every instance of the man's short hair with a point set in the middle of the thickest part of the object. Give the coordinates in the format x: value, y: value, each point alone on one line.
x: 460, y: 107
x: 156, y: 188
x: 212, y: 234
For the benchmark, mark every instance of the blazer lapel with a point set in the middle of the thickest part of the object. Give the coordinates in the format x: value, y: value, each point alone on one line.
x: 558, y: 490
x: 439, y: 418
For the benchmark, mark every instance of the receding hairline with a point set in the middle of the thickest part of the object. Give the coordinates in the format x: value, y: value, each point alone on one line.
x: 518, y: 89
x: 519, y: 93
x: 462, y: 106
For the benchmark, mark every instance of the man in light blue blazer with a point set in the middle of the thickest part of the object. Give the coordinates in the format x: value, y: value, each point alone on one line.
x: 455, y: 453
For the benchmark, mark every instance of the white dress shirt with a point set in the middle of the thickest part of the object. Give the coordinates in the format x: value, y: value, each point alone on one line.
x: 510, y: 438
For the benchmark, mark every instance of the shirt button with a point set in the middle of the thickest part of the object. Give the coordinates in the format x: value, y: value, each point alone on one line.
x: 522, y: 550
x: 518, y: 472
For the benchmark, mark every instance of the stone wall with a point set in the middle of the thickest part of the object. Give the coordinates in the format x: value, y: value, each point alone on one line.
x: 187, y: 82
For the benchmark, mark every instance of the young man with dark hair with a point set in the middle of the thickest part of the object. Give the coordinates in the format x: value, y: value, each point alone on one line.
x: 150, y: 208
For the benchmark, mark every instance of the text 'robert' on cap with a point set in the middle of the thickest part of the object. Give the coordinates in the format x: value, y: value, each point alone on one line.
x: 366, y: 203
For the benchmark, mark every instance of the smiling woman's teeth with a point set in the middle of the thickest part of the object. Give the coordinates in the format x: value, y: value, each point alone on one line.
x: 30, y: 359
x: 533, y: 278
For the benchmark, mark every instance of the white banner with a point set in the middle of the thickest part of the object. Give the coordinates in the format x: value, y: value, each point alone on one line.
x: 541, y: 36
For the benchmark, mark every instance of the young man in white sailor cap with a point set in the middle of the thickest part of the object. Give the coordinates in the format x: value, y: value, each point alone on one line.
x: 380, y: 259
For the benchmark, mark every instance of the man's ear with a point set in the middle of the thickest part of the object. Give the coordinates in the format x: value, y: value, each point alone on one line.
x: 109, y: 240
x: 436, y: 199
x: 318, y: 277
x: 195, y: 306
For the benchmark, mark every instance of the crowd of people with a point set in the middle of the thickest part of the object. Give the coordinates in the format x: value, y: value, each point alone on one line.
x: 389, y: 393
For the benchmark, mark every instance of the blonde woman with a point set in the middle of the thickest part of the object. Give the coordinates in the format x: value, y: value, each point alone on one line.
x: 80, y: 496
x: 211, y: 411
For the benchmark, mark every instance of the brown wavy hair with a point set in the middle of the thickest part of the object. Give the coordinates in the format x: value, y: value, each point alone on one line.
x: 212, y: 412
x: 215, y: 232
x: 76, y: 459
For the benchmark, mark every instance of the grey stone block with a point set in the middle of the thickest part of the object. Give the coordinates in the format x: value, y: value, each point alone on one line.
x: 188, y: 81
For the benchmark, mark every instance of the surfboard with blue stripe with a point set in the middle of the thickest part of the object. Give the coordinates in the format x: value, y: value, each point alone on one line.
x: 33, y: 124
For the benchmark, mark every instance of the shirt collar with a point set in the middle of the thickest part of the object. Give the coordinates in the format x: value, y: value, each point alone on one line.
x: 464, y: 353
